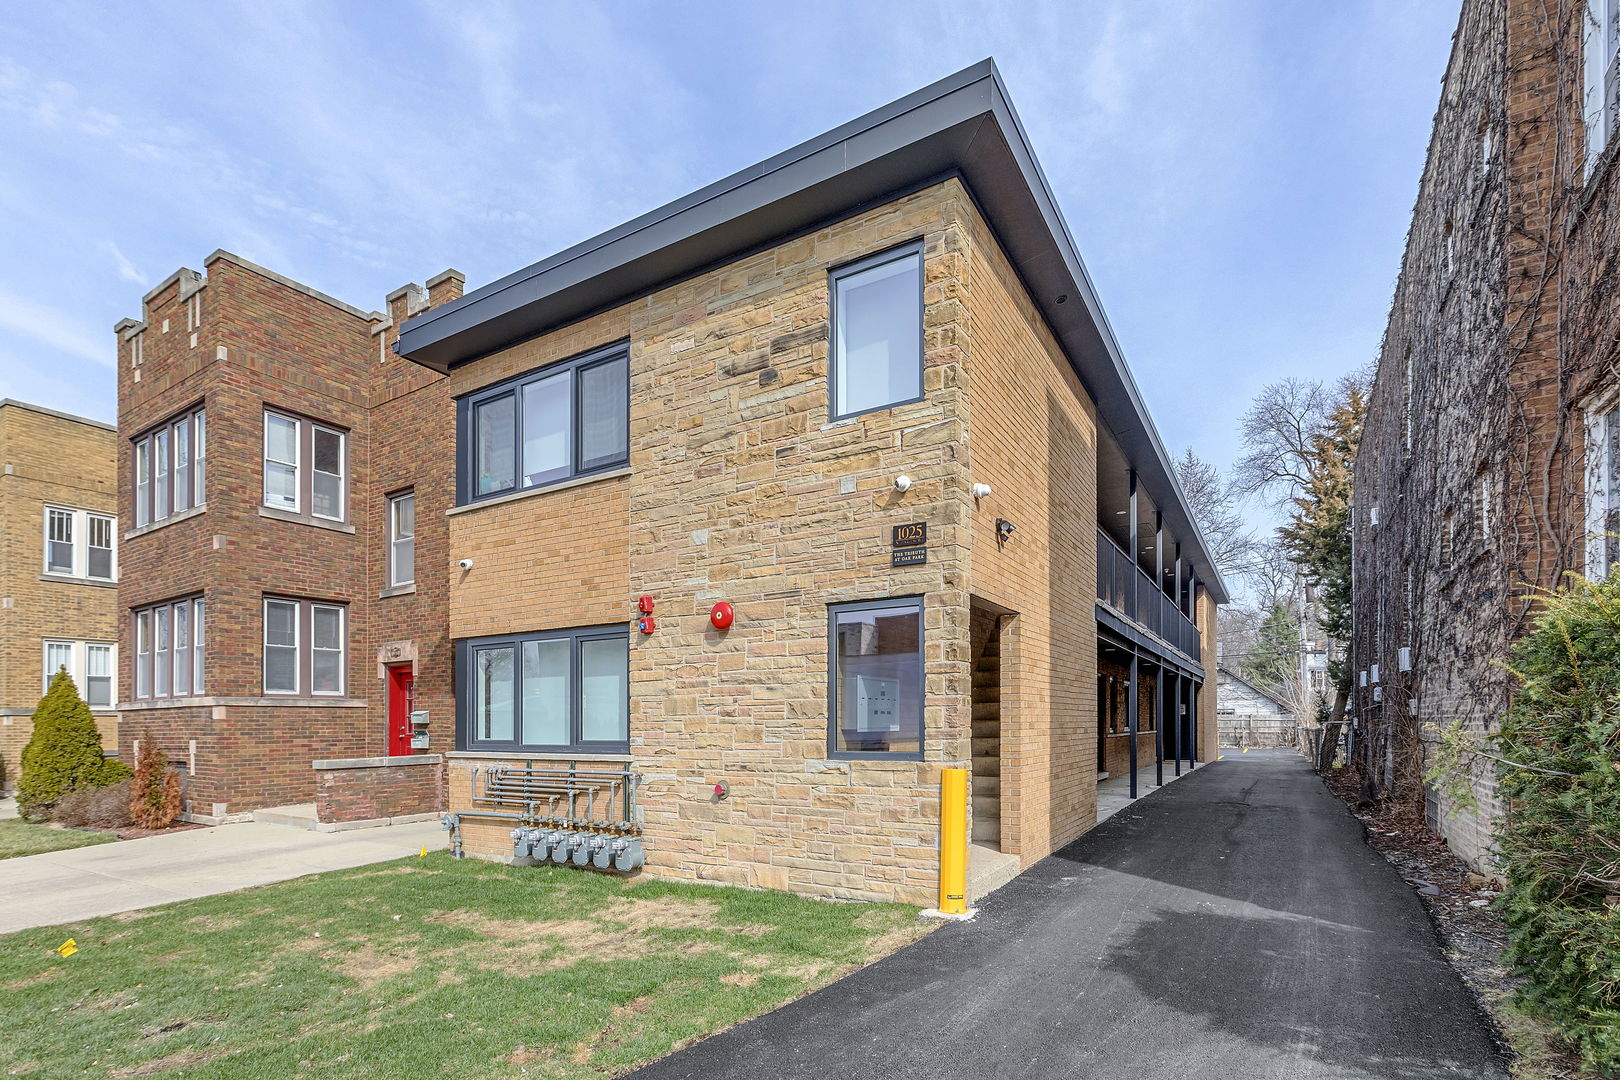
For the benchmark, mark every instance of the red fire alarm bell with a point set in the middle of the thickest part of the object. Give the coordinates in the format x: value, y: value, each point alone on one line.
x: 647, y: 625
x: 721, y: 615
x: 644, y: 605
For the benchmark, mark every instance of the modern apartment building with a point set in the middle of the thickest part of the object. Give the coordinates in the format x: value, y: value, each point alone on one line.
x: 1488, y: 467
x: 283, y: 485
x: 773, y: 503
x: 58, y: 568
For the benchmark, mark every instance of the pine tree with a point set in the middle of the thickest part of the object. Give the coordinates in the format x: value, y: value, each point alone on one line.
x: 1272, y: 662
x: 64, y: 752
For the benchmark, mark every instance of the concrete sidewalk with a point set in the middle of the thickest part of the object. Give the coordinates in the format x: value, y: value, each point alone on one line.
x: 65, y: 886
x: 1235, y: 926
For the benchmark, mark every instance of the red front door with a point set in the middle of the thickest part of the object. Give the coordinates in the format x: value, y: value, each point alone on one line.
x: 400, y: 679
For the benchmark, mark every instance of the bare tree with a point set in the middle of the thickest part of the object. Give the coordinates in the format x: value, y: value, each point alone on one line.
x: 1216, y: 506
x: 1277, y: 433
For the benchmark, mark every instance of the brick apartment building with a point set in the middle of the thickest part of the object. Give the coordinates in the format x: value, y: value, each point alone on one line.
x: 861, y: 399
x: 283, y: 488
x: 58, y: 568
x: 1489, y: 462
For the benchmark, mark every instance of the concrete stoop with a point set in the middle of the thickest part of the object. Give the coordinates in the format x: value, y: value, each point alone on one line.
x: 302, y: 816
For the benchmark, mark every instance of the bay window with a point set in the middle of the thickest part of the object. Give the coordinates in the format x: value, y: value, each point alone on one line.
x: 169, y: 649
x: 169, y: 468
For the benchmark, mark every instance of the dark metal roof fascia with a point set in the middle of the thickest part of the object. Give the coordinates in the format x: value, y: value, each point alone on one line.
x: 963, y: 124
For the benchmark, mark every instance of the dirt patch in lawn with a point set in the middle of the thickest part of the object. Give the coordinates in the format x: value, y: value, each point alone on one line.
x: 369, y: 967
x: 34, y: 980
x: 180, y: 1059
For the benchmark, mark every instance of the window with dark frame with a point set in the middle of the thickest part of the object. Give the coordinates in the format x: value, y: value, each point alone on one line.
x: 875, y: 676
x: 564, y: 420
x: 306, y: 465
x: 169, y: 649
x: 170, y: 469
x: 305, y: 647
x: 402, y: 539
x: 877, y: 331
x: 557, y: 691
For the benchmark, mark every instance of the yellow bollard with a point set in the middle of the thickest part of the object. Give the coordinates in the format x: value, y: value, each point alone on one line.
x: 953, y: 841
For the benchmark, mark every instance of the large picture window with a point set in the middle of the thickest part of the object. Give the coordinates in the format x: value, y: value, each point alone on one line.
x: 170, y: 468
x: 877, y: 332
x: 875, y: 666
x: 306, y: 467
x: 305, y: 647
x: 565, y: 420
x: 557, y: 691
x: 169, y: 649
x: 79, y: 543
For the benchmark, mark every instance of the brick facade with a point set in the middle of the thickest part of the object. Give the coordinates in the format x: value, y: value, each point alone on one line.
x: 1501, y: 334
x: 378, y: 789
x: 238, y: 341
x: 47, y: 458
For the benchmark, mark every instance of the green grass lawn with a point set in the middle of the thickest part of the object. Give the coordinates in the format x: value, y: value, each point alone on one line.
x: 421, y: 968
x: 18, y: 837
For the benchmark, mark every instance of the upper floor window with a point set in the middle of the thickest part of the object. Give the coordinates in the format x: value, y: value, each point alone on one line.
x: 565, y: 420
x: 555, y: 691
x: 88, y: 663
x: 305, y: 647
x: 877, y: 346
x: 305, y: 467
x: 171, y: 468
x: 875, y: 667
x: 1601, y: 105
x: 402, y: 539
x: 1602, y: 490
x: 169, y: 649
x: 79, y: 543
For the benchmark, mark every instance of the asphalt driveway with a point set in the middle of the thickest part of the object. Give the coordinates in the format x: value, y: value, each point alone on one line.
x: 1233, y: 925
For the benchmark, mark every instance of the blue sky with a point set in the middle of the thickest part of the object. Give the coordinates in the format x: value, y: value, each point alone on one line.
x: 1238, y: 175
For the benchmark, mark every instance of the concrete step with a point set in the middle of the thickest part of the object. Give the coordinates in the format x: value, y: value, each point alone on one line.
x: 988, y: 832
x: 987, y: 765
x: 986, y: 710
x: 986, y: 807
x: 987, y: 729
x: 296, y: 816
x: 987, y: 746
x: 989, y: 867
x: 989, y: 786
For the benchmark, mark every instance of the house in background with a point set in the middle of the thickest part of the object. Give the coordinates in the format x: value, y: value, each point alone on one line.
x: 1249, y: 717
x: 777, y: 501
x: 283, y: 486
x: 1490, y: 462
x: 58, y: 568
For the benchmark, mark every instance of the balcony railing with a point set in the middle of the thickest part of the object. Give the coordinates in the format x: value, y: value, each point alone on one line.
x: 1123, y: 586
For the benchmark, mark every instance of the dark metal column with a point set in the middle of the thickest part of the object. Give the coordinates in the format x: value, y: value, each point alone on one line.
x: 1181, y: 705
x: 1192, y: 723
x: 1158, y: 726
x: 1134, y: 612
x: 1131, y: 709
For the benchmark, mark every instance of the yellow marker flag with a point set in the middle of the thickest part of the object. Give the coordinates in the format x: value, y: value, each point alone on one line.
x: 68, y: 947
x: 424, y: 852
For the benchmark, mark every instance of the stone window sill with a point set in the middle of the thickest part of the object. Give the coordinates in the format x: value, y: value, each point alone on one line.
x: 172, y: 519
x: 302, y: 519
x: 561, y: 485
x: 254, y: 702
x: 509, y: 755
x: 397, y: 590
x: 69, y: 579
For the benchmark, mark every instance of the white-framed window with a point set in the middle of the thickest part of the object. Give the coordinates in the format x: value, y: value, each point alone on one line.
x: 877, y: 330
x: 169, y: 649
x: 80, y: 543
x: 305, y: 465
x: 169, y: 469
x: 1485, y: 504
x: 89, y: 663
x: 305, y: 647
x: 1600, y: 106
x: 1602, y: 488
x: 402, y: 538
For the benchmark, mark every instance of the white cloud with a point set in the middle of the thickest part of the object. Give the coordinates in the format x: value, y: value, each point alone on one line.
x: 55, y: 328
x: 126, y: 269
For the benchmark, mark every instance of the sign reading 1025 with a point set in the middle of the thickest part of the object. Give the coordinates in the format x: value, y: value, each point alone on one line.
x: 912, y: 535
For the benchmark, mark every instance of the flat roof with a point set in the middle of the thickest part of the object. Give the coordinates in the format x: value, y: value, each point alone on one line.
x: 963, y: 126
x: 59, y: 414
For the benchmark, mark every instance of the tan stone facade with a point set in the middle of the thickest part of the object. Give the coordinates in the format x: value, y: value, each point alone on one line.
x: 741, y: 488
x: 50, y: 460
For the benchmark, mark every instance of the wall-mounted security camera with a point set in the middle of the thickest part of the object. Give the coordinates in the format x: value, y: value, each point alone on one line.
x: 465, y: 564
x: 981, y: 491
x: 902, y: 483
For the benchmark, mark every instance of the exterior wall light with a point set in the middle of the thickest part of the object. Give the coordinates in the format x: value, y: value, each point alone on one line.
x: 981, y: 491
x: 465, y: 564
